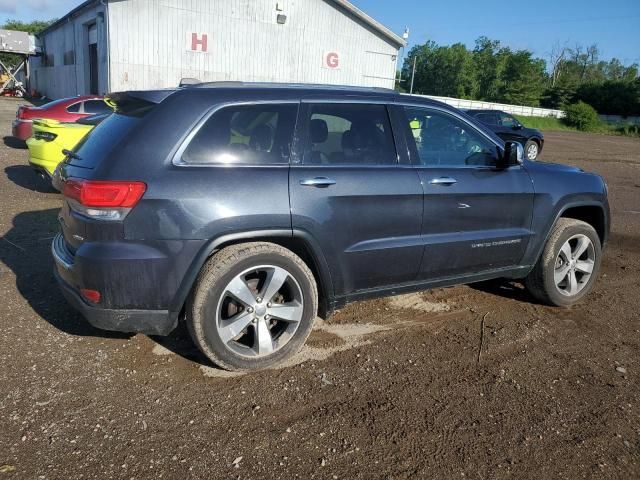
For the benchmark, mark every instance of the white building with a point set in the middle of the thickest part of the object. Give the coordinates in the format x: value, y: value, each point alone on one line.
x: 115, y: 45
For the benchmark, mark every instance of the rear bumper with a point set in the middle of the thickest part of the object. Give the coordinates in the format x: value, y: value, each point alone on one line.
x: 21, y: 129
x: 44, y: 157
x: 40, y: 170
x: 152, y: 322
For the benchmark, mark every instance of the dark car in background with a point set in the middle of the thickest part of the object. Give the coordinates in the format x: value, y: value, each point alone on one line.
x: 247, y: 210
x: 509, y: 129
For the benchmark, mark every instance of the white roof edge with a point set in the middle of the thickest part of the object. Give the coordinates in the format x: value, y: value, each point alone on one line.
x: 397, y: 39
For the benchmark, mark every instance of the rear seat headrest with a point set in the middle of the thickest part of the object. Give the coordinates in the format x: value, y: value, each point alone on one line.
x: 319, y: 130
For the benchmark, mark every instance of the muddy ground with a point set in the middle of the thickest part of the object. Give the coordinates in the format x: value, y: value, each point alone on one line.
x: 392, y: 388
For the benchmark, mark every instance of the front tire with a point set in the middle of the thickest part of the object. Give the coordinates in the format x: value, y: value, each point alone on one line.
x: 532, y: 150
x: 252, y: 307
x: 567, y: 269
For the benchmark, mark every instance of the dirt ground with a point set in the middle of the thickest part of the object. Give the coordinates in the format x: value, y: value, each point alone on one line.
x: 392, y: 388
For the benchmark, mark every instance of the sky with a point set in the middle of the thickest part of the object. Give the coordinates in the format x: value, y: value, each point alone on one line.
x: 614, y: 25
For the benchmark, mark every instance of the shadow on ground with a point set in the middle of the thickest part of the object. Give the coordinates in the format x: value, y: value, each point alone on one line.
x: 25, y: 177
x: 14, y: 142
x: 505, y: 288
x: 26, y: 250
x: 180, y: 343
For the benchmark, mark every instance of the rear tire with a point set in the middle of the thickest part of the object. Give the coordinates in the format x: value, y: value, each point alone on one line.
x: 532, y: 150
x: 233, y: 325
x: 569, y: 265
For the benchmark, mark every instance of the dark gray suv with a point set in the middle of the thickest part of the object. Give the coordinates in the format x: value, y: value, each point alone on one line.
x: 247, y: 210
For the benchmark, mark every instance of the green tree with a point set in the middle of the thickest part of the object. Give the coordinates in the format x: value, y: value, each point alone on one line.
x: 582, y: 116
x: 489, y: 60
x: 523, y: 79
x: 444, y: 71
x: 496, y: 73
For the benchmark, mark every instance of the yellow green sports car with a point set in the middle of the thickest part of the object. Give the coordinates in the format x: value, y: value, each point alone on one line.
x: 51, y: 137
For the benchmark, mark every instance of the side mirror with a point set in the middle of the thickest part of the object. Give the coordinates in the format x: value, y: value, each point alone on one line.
x: 513, y: 154
x: 517, y: 126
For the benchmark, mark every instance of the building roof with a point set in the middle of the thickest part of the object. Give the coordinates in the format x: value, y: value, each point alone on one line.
x: 356, y: 12
x: 68, y: 16
x: 346, y: 5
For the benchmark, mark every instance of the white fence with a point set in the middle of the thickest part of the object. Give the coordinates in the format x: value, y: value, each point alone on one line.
x: 524, y: 111
x: 482, y: 105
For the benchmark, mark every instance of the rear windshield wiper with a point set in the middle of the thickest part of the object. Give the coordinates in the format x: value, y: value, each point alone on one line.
x: 71, y: 154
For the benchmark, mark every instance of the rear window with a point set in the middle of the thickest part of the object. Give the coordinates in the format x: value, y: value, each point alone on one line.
x: 105, y: 138
x: 247, y: 134
x: 96, y: 106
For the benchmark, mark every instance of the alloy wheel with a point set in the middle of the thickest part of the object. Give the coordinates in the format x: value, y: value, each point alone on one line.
x: 259, y: 311
x: 574, y: 264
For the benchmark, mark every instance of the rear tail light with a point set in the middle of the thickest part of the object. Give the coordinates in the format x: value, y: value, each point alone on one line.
x: 20, y: 114
x: 92, y: 296
x: 103, y: 200
x: 46, y: 136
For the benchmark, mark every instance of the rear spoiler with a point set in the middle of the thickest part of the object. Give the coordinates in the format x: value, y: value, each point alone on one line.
x: 93, y: 119
x: 127, y: 101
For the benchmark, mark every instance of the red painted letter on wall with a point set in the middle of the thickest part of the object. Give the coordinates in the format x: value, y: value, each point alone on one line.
x: 197, y: 42
x: 331, y: 60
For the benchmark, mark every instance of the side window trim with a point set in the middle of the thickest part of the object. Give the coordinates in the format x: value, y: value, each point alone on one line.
x: 302, y: 132
x: 415, y: 158
x: 176, y: 158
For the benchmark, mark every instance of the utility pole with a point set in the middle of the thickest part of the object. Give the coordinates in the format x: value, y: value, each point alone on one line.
x: 413, y: 74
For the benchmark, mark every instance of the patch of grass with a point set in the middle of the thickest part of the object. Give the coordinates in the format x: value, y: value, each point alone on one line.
x: 555, y: 124
x: 544, y: 123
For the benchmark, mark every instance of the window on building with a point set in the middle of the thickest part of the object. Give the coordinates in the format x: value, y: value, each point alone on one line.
x: 47, y: 60
x: 69, y: 57
x: 96, y: 106
x: 441, y: 139
x: 349, y: 134
x: 244, y: 134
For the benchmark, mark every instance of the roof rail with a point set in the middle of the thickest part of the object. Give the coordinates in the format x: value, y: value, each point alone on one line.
x: 319, y: 86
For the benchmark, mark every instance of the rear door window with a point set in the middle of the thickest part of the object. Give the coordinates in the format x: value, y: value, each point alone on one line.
x: 349, y: 134
x: 488, y: 118
x: 244, y: 134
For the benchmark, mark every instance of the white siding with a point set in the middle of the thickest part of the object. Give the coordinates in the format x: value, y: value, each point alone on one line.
x: 148, y: 47
x: 63, y: 80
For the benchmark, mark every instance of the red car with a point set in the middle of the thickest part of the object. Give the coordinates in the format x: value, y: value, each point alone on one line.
x: 64, y: 110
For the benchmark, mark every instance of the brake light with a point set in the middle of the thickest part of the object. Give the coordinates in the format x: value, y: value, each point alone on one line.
x: 20, y: 114
x: 104, y: 194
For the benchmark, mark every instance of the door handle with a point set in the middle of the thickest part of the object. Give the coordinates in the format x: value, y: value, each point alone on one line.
x: 317, y: 182
x: 443, y: 181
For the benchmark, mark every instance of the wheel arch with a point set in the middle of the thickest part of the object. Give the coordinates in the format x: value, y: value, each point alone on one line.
x: 592, y: 212
x: 299, y: 242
